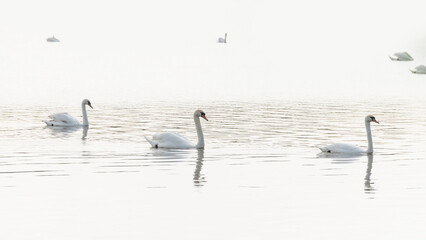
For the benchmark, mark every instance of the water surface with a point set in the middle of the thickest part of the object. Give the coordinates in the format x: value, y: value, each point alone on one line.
x: 259, y: 176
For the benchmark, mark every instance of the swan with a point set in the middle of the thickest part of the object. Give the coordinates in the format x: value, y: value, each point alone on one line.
x: 421, y: 69
x: 174, y: 140
x: 66, y: 120
x: 349, y: 148
x: 222, y: 40
x: 401, y: 56
x: 52, y: 39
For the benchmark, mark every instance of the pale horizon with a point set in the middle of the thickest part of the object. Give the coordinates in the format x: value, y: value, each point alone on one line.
x: 131, y: 51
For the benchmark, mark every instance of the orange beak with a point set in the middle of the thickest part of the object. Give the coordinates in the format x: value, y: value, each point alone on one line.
x: 204, y: 116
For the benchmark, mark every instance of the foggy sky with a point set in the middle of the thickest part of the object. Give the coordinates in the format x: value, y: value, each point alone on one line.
x: 136, y: 51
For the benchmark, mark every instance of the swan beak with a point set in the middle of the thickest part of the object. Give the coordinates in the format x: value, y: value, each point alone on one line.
x: 90, y: 105
x: 376, y: 121
x: 204, y: 116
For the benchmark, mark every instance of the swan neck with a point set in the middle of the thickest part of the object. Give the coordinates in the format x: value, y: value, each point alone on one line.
x: 369, y: 137
x: 200, y: 134
x: 85, y: 120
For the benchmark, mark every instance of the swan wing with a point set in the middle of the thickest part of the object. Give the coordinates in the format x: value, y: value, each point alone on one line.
x: 62, y: 119
x: 421, y: 68
x: 169, y: 140
x: 341, y: 148
x: 409, y: 57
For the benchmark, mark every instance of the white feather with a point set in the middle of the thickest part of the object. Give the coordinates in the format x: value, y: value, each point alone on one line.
x: 421, y: 69
x: 175, y: 140
x: 62, y: 119
x: 169, y: 140
x: 66, y: 120
x: 401, y: 56
x: 342, y: 148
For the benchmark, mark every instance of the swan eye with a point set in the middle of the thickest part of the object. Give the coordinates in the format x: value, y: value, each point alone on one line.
x: 373, y: 118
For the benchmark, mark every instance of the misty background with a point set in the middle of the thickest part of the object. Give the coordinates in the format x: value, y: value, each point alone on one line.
x: 112, y: 51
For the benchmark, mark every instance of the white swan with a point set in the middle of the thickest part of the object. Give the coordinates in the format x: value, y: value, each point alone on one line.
x: 401, y: 56
x: 222, y: 40
x: 52, y: 39
x: 349, y: 148
x: 174, y: 140
x: 66, y: 120
x: 421, y: 69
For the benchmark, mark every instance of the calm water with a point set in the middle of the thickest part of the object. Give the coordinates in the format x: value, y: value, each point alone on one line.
x: 259, y: 177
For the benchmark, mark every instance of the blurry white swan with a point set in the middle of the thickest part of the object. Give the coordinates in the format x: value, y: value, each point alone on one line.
x: 421, y: 69
x: 52, y: 39
x: 401, y: 56
x: 349, y: 148
x: 222, y: 40
x: 66, y: 120
x: 174, y: 140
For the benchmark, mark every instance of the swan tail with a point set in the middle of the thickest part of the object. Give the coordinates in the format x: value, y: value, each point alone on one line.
x: 323, y: 148
x: 152, y: 142
x: 48, y: 123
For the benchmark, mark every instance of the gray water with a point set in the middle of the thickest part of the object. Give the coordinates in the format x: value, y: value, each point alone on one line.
x: 260, y: 175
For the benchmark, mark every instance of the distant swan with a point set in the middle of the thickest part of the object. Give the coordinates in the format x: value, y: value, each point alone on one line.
x: 421, y: 69
x: 401, y: 56
x: 174, y: 140
x: 222, y: 40
x: 349, y: 148
x: 52, y: 39
x: 66, y: 120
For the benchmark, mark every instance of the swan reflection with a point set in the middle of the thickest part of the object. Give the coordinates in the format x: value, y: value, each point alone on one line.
x: 62, y: 132
x: 198, y: 178
x: 171, y: 154
x: 341, y: 158
x: 85, y: 130
x: 367, y: 180
x: 66, y: 132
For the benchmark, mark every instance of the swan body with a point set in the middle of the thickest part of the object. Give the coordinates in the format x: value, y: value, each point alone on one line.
x: 401, y: 56
x: 342, y: 148
x: 66, y: 120
x: 175, y: 140
x: 169, y: 140
x: 222, y: 40
x: 52, y: 39
x: 421, y: 69
x: 350, y: 148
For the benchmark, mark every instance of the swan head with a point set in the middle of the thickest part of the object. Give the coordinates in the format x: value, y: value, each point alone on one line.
x: 371, y: 118
x: 200, y: 113
x: 87, y: 102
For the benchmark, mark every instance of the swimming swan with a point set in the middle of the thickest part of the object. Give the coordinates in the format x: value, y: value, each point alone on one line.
x: 52, y: 39
x: 421, y: 69
x: 349, y: 148
x: 174, y: 140
x: 222, y: 40
x: 66, y: 120
x: 401, y: 56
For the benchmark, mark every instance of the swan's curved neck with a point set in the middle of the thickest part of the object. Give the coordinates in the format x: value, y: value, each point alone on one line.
x: 369, y: 137
x: 83, y: 109
x: 200, y: 134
